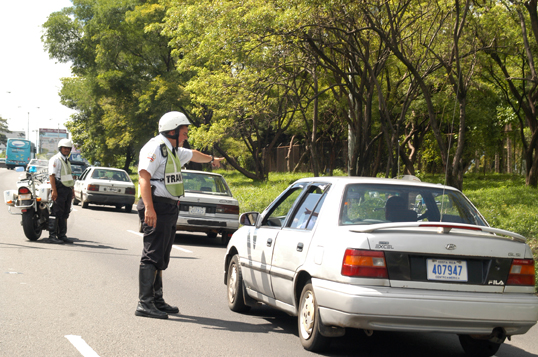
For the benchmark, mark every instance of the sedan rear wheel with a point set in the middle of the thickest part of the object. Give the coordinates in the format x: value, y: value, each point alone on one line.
x: 235, y: 286
x: 308, y: 321
x: 84, y: 203
x: 478, y: 347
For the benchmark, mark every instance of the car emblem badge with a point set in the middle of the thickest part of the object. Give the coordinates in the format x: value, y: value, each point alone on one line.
x: 450, y: 246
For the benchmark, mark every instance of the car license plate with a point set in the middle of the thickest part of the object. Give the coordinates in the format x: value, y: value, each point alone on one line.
x: 112, y: 189
x: 27, y: 196
x: 447, y: 270
x: 196, y: 210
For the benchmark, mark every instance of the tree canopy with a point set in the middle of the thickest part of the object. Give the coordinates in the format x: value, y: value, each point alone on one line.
x: 392, y: 86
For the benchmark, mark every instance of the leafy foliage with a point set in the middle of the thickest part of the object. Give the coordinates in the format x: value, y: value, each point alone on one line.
x: 400, y: 86
x: 3, y: 130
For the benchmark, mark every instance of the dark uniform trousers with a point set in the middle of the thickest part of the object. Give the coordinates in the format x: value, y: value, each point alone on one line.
x: 158, y: 241
x: 62, y: 206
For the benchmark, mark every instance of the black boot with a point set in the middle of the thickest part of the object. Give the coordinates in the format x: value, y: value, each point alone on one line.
x: 159, y: 301
x: 53, y: 229
x: 146, y: 305
x: 62, y: 231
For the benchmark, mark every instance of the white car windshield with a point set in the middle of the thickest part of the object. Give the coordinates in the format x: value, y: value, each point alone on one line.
x: 372, y: 203
x: 202, y: 183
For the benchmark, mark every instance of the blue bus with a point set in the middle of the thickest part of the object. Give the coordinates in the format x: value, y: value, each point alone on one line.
x: 19, y: 152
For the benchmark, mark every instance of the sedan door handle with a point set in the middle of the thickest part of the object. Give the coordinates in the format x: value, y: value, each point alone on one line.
x: 269, y: 242
x: 300, y: 247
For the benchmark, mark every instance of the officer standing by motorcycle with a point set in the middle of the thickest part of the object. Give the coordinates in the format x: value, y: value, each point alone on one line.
x: 161, y: 186
x: 61, y: 182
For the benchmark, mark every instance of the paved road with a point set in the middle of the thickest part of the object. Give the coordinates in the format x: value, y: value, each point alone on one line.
x: 79, y: 300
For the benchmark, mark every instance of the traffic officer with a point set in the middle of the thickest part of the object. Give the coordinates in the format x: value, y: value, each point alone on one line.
x: 61, y: 183
x: 161, y: 186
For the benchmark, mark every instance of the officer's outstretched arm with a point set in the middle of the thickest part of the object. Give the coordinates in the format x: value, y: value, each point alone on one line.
x: 199, y: 157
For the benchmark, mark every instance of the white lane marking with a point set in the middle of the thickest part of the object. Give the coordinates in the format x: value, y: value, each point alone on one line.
x: 182, y: 249
x: 137, y: 233
x: 81, y: 346
x: 179, y: 248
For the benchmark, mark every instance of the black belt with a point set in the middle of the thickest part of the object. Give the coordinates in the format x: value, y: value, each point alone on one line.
x: 165, y: 200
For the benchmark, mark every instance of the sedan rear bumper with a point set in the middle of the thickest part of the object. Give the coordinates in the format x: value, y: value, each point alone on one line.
x: 204, y: 224
x: 400, y: 309
x: 101, y: 199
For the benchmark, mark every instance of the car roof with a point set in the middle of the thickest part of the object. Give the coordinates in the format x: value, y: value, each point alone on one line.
x: 374, y: 180
x: 201, y: 172
x: 107, y: 168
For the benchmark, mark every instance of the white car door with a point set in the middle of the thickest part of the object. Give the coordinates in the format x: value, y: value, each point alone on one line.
x: 79, y: 182
x: 291, y: 247
x: 261, y: 240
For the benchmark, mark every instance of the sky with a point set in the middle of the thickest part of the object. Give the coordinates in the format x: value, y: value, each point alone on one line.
x: 29, y: 79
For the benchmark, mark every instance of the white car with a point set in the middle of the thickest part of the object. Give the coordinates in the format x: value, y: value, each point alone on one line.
x: 208, y: 205
x: 383, y: 254
x: 105, y: 186
x: 37, y: 166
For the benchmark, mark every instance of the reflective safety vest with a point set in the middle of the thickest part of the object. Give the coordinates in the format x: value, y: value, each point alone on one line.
x: 173, y: 180
x: 65, y: 173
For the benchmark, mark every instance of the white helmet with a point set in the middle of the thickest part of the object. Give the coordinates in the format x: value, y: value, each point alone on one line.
x: 172, y: 120
x: 65, y: 143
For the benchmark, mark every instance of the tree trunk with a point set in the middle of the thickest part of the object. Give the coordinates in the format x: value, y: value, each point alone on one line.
x: 351, y: 151
x: 258, y: 176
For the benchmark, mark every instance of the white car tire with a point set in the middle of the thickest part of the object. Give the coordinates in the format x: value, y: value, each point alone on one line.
x: 234, y: 286
x: 84, y: 203
x: 308, y: 321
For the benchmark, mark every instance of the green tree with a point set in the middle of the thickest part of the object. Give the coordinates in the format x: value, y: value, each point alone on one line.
x: 125, y: 77
x: 3, y: 131
x: 240, y: 75
x: 512, y: 53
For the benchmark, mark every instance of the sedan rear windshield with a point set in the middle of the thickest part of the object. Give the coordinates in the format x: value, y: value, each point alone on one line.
x: 37, y: 162
x: 104, y: 174
x: 370, y: 204
x: 202, y: 183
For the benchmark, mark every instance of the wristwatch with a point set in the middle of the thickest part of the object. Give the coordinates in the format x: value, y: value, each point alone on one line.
x: 212, y: 158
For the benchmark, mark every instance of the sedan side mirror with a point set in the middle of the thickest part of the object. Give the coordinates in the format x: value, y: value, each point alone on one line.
x: 249, y: 218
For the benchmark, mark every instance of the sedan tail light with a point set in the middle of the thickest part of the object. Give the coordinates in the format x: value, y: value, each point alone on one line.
x: 130, y: 190
x: 521, y: 272
x: 364, y: 263
x: 228, y: 209
x: 93, y: 187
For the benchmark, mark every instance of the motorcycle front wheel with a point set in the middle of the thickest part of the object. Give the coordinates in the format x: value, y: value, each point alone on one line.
x: 30, y: 225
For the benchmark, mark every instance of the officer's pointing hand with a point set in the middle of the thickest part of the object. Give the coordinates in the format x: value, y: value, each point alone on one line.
x: 216, y: 161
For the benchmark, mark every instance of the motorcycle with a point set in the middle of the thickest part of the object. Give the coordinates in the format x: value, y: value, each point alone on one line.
x: 32, y: 200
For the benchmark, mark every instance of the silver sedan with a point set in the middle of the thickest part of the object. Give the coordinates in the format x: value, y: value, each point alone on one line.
x: 383, y: 254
